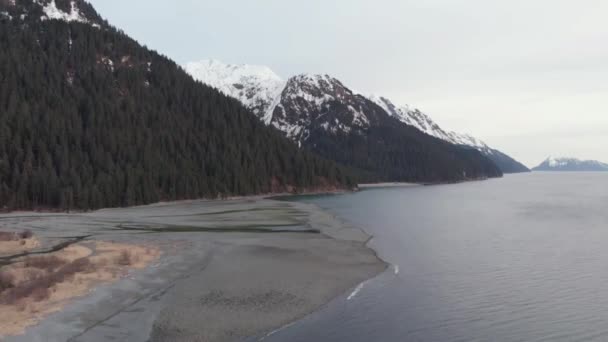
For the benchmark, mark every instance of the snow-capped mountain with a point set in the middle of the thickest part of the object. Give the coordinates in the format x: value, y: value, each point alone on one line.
x: 65, y: 10
x: 323, y: 115
x: 293, y: 106
x: 307, y: 105
x: 571, y: 164
x: 257, y: 87
x: 311, y: 102
x: 414, y: 117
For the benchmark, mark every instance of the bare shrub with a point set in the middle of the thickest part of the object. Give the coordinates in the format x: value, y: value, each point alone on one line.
x: 124, y: 259
x: 32, y: 273
x: 7, y: 281
x: 8, y: 236
x: 16, y: 294
x: 101, y: 263
x: 26, y: 234
x: 22, y: 307
x: 82, y: 265
x: 38, y: 286
x: 40, y: 293
x: 48, y: 263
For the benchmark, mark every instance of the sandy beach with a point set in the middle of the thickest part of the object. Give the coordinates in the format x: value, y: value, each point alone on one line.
x: 227, y: 270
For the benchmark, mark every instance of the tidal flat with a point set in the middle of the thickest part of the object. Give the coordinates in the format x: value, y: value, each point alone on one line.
x: 227, y: 270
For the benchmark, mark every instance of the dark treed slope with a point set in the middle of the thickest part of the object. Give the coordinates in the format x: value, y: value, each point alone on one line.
x: 90, y: 119
x: 506, y: 163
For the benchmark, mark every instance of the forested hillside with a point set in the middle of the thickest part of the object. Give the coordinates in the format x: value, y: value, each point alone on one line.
x: 91, y: 119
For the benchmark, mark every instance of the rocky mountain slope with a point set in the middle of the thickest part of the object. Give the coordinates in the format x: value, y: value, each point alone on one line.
x: 90, y: 119
x: 570, y: 164
x: 310, y: 98
x: 416, y: 118
x: 321, y: 114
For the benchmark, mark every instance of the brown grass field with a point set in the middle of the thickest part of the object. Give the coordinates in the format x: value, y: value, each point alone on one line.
x: 36, y: 286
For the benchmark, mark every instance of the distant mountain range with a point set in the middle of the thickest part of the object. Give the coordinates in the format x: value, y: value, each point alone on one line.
x: 306, y: 103
x: 571, y: 164
x: 321, y: 114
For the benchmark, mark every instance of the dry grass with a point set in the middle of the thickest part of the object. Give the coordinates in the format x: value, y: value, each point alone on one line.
x: 26, y: 234
x: 8, y: 236
x: 13, y: 236
x: 39, y: 285
x: 47, y: 263
x: 124, y: 259
x: 17, y: 242
x: 7, y: 281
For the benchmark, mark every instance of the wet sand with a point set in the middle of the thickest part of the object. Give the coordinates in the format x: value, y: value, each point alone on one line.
x: 228, y: 269
x: 387, y: 185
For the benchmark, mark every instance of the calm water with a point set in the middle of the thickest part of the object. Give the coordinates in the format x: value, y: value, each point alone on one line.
x: 524, y: 258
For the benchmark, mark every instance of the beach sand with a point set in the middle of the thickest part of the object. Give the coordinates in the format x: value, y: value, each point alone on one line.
x: 18, y: 246
x: 228, y: 270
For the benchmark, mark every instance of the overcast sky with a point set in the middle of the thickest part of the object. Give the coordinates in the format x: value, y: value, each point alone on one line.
x: 530, y: 77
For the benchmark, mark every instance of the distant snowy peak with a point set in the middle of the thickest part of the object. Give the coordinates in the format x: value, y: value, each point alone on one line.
x: 571, y: 164
x: 257, y: 87
x: 421, y: 121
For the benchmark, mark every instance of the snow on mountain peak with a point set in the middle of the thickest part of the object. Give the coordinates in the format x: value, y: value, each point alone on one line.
x: 309, y: 97
x: 416, y: 118
x: 317, y: 80
x: 257, y: 87
x: 570, y: 164
x: 553, y: 162
x: 68, y: 11
x: 563, y: 161
x: 52, y: 12
x: 313, y: 101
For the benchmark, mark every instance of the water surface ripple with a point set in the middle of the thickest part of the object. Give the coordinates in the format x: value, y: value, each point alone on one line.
x: 524, y: 258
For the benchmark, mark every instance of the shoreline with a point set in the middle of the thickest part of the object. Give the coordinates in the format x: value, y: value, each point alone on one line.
x: 265, y: 196
x: 388, y: 185
x: 215, y: 267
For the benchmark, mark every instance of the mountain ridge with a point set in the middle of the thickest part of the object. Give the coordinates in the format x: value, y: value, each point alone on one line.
x: 570, y: 164
x: 294, y: 129
x: 321, y: 114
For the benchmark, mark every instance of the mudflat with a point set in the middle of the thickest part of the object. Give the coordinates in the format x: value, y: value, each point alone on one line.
x: 227, y: 270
